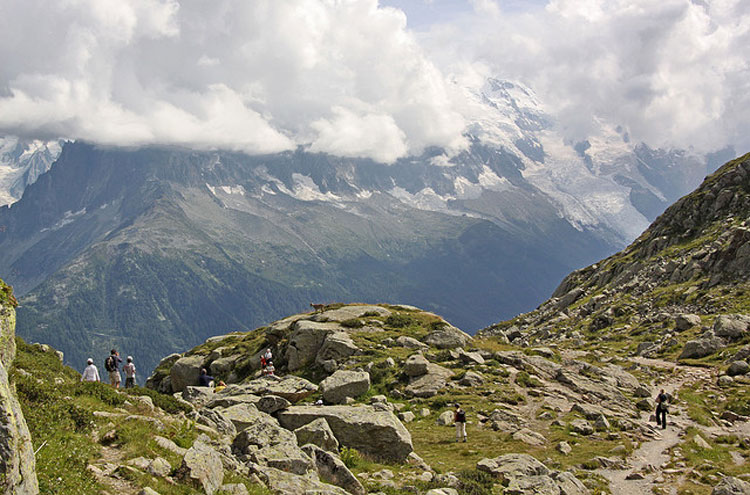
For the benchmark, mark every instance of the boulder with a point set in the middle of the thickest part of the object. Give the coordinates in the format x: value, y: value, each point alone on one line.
x: 318, y: 433
x: 581, y: 426
x: 471, y: 379
x: 569, y: 484
x: 684, y: 322
x: 283, y: 483
x: 532, y: 485
x: 243, y: 415
x: 223, y: 366
x: 411, y: 343
x: 201, y: 467
x: 442, y: 491
x: 701, y: 347
x: 738, y: 368
x: 217, y: 421
x: 349, y: 312
x: 416, y: 365
x: 430, y: 383
x: 225, y: 399
x: 529, y: 437
x: 336, y: 347
x: 285, y: 456
x: 159, y: 467
x: 406, y: 417
x: 268, y: 444
x: 263, y: 433
x: 185, y: 371
x: 234, y: 489
x: 343, y: 384
x: 511, y: 466
x: 373, y: 432
x: 731, y: 326
x: 290, y: 387
x: 445, y: 418
x: 198, y: 396
x: 332, y: 470
x: 564, y: 448
x: 305, y: 341
x: 470, y: 357
x: 271, y: 404
x: 730, y: 485
x: 447, y: 337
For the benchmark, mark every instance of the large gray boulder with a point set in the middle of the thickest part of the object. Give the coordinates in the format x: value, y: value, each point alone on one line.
x: 738, y: 368
x: 374, y: 432
x: 684, y: 322
x: 214, y: 419
x: 17, y: 462
x: 268, y: 444
x: 416, y: 365
x: 283, y: 483
x: 343, y: 384
x: 569, y: 484
x: 730, y: 485
x: 732, y: 326
x: 201, y: 467
x: 243, y: 415
x: 429, y: 384
x: 332, y: 470
x: 411, y: 343
x: 337, y: 346
x: 532, y: 485
x: 317, y: 433
x: 290, y: 387
x: 198, y: 396
x: 511, y: 466
x: 447, y: 337
x: 704, y: 346
x: 305, y: 341
x: 271, y: 404
x: 185, y: 371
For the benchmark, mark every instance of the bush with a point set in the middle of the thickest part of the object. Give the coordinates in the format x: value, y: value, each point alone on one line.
x: 166, y: 402
x: 350, y: 457
x: 100, y: 391
x: 352, y: 323
x: 371, y: 314
x: 474, y: 482
x: 398, y: 320
x: 526, y: 380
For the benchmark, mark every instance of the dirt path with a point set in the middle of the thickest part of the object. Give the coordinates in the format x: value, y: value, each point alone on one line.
x: 651, y: 457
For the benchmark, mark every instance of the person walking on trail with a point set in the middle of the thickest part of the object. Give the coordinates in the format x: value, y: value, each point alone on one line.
x: 90, y: 374
x: 205, y: 380
x: 661, y: 409
x: 459, y: 418
x: 112, y: 365
x: 129, y: 370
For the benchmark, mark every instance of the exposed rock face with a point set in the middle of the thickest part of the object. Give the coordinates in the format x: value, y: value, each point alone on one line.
x: 371, y: 431
x: 202, y: 467
x: 731, y: 326
x: 349, y: 312
x: 730, y: 485
x: 702, y: 347
x: 290, y: 387
x: 510, y: 466
x: 317, y: 433
x: 524, y: 475
x: 430, y: 383
x: 337, y: 346
x: 17, y: 463
x: 283, y: 483
x: 332, y: 470
x: 447, y: 337
x: 343, y: 384
x: 305, y: 341
x: 185, y: 372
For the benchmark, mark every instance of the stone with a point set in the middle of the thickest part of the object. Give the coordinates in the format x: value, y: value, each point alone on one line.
x: 701, y: 347
x: 271, y: 404
x: 411, y: 343
x: 469, y: 358
x: 159, y: 467
x: 601, y: 423
x: 337, y: 346
x: 738, y: 368
x: 684, y: 322
x: 332, y: 470
x: 318, y: 433
x: 731, y: 326
x: 701, y: 442
x: 424, y: 412
x: 243, y: 415
x: 305, y: 341
x: 725, y: 381
x: 198, y: 396
x: 406, y: 417
x: 226, y: 399
x: 283, y: 483
x: 445, y: 419
x: 442, y: 491
x: 169, y: 445
x: 471, y: 379
x: 285, y: 456
x: 447, y: 337
x: 642, y: 391
x: 564, y: 448
x: 216, y: 420
x: 234, y: 489
x: 201, y: 467
x: 342, y: 384
x: 581, y: 426
x: 429, y: 384
x: 569, y: 484
x: 730, y: 485
x: 185, y: 372
x: 356, y: 311
x: 532, y: 485
x: 148, y: 491
x: 223, y: 366
x: 264, y: 432
x: 376, y: 433
x: 416, y: 365
x: 645, y: 404
x: 290, y: 387
x: 529, y: 437
x: 512, y: 466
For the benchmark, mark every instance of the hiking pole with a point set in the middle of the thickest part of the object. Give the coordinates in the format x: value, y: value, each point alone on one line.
x: 40, y: 448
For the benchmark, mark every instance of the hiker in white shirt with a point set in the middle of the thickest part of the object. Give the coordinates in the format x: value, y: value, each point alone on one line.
x: 90, y: 374
x: 129, y: 370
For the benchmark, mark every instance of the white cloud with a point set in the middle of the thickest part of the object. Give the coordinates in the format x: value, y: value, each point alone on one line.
x: 344, y: 76
x: 673, y: 73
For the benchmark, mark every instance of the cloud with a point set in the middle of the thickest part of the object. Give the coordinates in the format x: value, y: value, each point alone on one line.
x: 673, y: 73
x: 342, y: 76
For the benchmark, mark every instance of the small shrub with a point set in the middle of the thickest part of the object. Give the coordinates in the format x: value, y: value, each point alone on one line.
x: 185, y: 435
x: 350, y: 457
x: 526, y: 380
x: 100, y: 391
x: 370, y: 314
x: 475, y: 482
x: 398, y: 320
x: 352, y: 323
x: 165, y: 402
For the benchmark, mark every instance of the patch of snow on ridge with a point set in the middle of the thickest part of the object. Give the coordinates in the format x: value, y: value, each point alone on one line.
x: 305, y: 189
x: 68, y: 217
x: 426, y: 199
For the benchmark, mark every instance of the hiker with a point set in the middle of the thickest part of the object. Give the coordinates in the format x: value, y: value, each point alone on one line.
x: 205, y: 380
x: 661, y: 409
x: 112, y: 365
x: 129, y: 370
x: 221, y: 386
x: 459, y: 418
x: 90, y: 374
x: 269, y: 368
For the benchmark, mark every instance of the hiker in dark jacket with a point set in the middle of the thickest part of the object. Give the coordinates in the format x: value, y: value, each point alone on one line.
x: 205, y: 380
x: 459, y: 418
x: 661, y: 409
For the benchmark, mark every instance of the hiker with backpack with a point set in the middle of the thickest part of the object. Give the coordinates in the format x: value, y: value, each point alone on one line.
x: 459, y: 418
x: 129, y: 370
x: 205, y: 380
x: 661, y: 409
x: 90, y: 374
x: 112, y: 365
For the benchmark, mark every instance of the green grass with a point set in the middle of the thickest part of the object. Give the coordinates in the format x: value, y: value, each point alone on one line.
x: 698, y: 406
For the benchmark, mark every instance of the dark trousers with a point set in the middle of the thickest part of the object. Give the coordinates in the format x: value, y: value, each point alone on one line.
x: 661, y: 417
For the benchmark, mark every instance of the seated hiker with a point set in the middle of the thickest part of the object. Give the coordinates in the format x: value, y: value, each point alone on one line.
x: 205, y: 380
